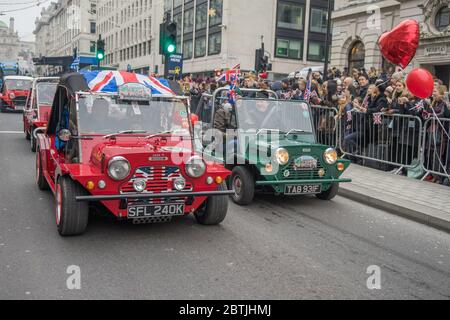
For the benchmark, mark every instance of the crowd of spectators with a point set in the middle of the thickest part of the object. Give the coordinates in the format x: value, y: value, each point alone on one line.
x: 359, y: 91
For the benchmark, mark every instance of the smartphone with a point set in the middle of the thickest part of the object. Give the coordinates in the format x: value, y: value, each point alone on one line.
x: 447, y: 97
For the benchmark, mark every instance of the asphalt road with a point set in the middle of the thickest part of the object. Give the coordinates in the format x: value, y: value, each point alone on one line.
x: 277, y: 248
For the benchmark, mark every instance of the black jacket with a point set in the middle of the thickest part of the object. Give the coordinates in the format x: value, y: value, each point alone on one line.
x: 376, y: 105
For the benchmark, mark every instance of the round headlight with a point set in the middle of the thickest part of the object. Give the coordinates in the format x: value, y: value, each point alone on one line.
x: 119, y: 168
x: 140, y: 185
x: 195, y: 167
x: 282, y: 156
x: 330, y: 156
x: 179, y: 184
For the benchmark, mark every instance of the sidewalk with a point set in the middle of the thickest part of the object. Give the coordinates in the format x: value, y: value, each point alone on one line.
x: 425, y: 202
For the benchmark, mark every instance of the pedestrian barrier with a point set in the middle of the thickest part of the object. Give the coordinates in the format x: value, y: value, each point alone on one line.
x: 436, y: 147
x: 387, y: 139
x: 326, y: 125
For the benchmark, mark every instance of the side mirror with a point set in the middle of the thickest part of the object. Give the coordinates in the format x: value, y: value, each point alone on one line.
x: 65, y: 135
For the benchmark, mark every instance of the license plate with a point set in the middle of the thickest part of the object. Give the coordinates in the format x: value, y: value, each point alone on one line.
x: 155, y: 210
x: 303, y: 189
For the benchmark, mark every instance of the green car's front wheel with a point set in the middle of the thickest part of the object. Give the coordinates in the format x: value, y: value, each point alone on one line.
x: 243, y: 184
x: 330, y: 194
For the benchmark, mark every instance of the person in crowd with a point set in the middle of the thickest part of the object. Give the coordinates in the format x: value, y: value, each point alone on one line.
x: 379, y: 101
x: 363, y: 81
x: 400, y: 99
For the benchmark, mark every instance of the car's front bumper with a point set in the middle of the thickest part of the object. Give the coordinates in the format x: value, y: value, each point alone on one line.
x: 300, y: 182
x: 139, y: 196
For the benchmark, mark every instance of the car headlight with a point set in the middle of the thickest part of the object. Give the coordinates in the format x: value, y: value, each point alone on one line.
x: 140, y: 185
x: 330, y: 156
x: 282, y: 156
x: 195, y: 167
x: 12, y: 95
x: 119, y: 168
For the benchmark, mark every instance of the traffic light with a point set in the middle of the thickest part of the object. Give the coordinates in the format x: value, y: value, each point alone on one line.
x: 261, y: 61
x: 168, y: 38
x: 100, y: 53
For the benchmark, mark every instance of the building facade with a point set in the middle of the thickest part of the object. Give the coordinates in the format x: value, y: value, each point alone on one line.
x: 216, y: 34
x: 130, y: 29
x: 222, y: 33
x: 9, y: 41
x: 357, y: 25
x: 66, y: 25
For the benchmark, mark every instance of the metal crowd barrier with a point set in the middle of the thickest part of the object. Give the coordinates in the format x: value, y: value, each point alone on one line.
x: 389, y: 139
x: 436, y: 147
x: 326, y: 125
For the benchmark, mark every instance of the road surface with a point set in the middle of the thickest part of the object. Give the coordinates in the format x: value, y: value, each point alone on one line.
x: 277, y: 248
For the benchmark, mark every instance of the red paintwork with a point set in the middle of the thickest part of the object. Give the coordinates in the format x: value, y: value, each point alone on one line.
x: 36, y: 115
x: 136, y: 149
x: 5, y: 97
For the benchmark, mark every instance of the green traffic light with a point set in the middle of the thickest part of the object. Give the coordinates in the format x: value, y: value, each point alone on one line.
x: 171, y: 48
x: 100, y: 56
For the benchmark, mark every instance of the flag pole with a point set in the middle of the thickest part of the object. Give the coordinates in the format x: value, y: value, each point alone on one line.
x: 327, y: 41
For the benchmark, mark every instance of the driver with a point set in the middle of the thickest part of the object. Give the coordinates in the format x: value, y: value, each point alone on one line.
x: 259, y: 115
x: 100, y: 113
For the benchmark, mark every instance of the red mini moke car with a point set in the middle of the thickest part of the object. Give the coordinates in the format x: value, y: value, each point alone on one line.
x: 14, y: 93
x: 124, y: 142
x: 38, y: 107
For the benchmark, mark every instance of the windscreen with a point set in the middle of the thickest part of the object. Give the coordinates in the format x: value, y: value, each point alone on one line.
x: 18, y: 84
x: 45, y: 93
x: 108, y: 115
x: 283, y: 116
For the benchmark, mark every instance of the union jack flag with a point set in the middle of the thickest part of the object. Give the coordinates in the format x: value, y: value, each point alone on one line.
x: 110, y: 81
x: 349, y: 116
x: 230, y: 75
x: 377, y: 118
x: 307, y: 94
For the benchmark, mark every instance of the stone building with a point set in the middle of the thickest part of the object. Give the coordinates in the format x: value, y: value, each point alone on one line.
x: 9, y: 41
x: 357, y: 25
x: 65, y: 25
x: 216, y: 34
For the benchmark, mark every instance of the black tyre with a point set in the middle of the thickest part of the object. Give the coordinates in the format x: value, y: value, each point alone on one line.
x: 40, y: 179
x: 27, y: 134
x: 2, y: 107
x: 32, y: 140
x: 243, y: 183
x: 71, y: 216
x: 330, y: 193
x: 215, y: 209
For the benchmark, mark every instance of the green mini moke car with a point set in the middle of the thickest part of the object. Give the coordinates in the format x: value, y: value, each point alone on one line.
x: 269, y: 145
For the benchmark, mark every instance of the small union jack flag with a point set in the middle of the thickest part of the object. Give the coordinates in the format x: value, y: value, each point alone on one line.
x: 377, y: 118
x: 307, y: 95
x: 230, y: 75
x: 349, y: 116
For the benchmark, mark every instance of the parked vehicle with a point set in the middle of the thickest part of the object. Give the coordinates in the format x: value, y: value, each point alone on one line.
x: 38, y: 107
x: 123, y: 143
x: 270, y: 147
x: 14, y: 93
x: 303, y: 73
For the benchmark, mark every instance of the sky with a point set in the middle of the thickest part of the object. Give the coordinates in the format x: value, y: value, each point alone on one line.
x: 25, y: 17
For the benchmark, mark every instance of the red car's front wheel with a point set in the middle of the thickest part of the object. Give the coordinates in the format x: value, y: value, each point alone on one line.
x: 40, y: 179
x: 71, y: 216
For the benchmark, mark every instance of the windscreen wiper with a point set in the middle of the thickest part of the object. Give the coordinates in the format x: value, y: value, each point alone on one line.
x: 158, y: 134
x: 296, y: 131
x: 124, y: 132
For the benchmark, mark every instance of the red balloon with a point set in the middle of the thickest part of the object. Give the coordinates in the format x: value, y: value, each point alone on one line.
x: 420, y: 83
x: 399, y: 46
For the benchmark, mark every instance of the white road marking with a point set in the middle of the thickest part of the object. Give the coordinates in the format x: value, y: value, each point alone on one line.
x: 11, y: 132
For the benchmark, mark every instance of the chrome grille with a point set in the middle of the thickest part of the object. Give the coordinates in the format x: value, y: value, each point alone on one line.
x: 304, y: 174
x: 159, y: 180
